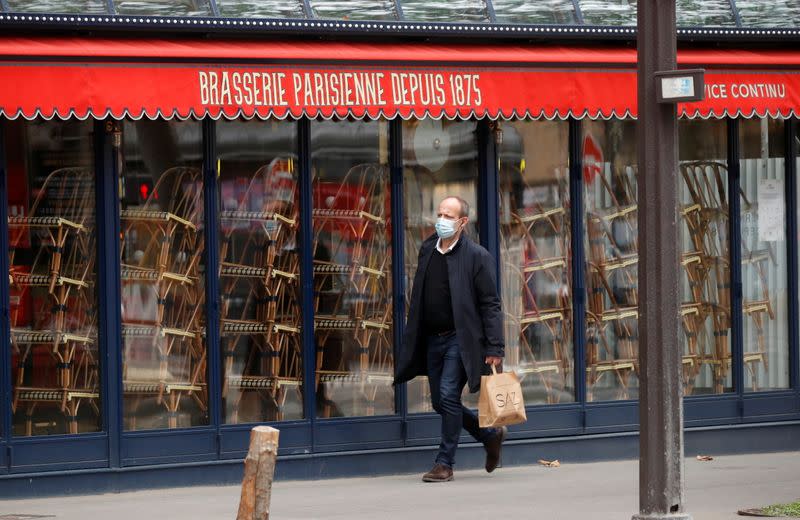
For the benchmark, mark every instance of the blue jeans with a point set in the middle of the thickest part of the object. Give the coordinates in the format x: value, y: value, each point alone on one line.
x: 447, y: 378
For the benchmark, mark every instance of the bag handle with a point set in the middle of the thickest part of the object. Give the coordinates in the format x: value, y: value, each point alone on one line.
x: 494, y: 370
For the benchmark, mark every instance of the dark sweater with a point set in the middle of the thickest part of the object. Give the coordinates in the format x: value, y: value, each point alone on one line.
x: 437, y: 305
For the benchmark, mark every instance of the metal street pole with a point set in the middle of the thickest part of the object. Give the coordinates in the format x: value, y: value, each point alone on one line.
x: 660, y: 391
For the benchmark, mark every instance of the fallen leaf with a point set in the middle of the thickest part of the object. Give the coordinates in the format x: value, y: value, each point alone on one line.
x: 705, y: 458
x: 550, y: 463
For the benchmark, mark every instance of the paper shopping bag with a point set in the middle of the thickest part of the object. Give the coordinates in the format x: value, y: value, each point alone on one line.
x: 500, y: 401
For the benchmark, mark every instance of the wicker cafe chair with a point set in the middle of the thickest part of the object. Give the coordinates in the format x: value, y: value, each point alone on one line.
x: 64, y: 322
x: 760, y: 309
x: 166, y: 267
x: 526, y: 317
x: 613, y: 308
x: 707, y: 269
x: 258, y: 260
x: 352, y: 286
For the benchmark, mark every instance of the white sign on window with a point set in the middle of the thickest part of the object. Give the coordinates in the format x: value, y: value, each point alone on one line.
x: 771, y: 210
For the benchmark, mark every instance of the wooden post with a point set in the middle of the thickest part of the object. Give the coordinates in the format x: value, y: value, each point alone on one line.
x: 259, y: 468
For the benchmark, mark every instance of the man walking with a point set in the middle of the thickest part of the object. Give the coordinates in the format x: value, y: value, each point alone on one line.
x: 454, y: 332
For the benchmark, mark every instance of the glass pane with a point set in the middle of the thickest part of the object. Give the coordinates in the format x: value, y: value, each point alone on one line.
x: 774, y: 13
x: 261, y: 8
x: 705, y: 257
x: 52, y: 278
x: 352, y: 268
x: 162, y: 8
x: 536, y: 258
x: 354, y: 9
x: 612, y: 316
x: 440, y: 159
x: 541, y: 12
x: 608, y: 12
x: 445, y: 11
x: 259, y: 272
x: 57, y: 6
x: 764, y: 269
x: 705, y: 13
x: 162, y: 257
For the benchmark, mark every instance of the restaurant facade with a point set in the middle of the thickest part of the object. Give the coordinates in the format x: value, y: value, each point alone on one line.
x: 212, y: 222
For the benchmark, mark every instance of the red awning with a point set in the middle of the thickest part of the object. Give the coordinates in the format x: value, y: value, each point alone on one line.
x: 78, y: 77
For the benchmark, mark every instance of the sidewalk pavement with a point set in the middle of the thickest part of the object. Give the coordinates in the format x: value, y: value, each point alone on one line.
x: 715, y: 490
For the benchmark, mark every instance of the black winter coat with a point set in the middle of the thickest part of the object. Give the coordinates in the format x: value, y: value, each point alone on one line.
x: 476, y: 312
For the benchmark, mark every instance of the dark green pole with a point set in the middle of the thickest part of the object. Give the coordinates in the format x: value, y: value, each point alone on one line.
x: 660, y: 392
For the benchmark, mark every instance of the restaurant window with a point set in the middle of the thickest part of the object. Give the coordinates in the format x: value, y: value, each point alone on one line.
x: 776, y: 13
x: 608, y: 12
x: 354, y: 9
x: 542, y: 12
x: 56, y: 6
x: 705, y: 290
x: 162, y: 275
x: 697, y: 13
x: 464, y: 11
x: 162, y: 8
x: 612, y: 259
x: 536, y: 258
x: 52, y: 278
x: 763, y: 249
x: 352, y: 268
x: 259, y: 275
x: 440, y: 158
x: 260, y: 8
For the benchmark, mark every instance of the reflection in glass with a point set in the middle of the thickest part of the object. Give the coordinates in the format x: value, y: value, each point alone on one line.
x: 52, y: 281
x: 541, y: 12
x: 473, y: 11
x: 354, y: 9
x: 536, y: 258
x: 764, y: 270
x: 162, y: 261
x: 352, y: 268
x: 704, y: 13
x: 608, y: 12
x: 772, y: 13
x: 705, y: 257
x: 57, y: 6
x: 259, y: 271
x: 162, y: 8
x: 440, y: 158
x: 610, y: 205
x: 261, y: 8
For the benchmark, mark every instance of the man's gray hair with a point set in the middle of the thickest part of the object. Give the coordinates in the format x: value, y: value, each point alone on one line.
x: 464, y: 205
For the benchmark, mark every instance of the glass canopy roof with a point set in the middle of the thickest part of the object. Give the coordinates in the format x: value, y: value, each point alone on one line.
x: 691, y: 13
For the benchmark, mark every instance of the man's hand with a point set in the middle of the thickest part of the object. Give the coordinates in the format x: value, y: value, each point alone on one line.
x: 494, y: 360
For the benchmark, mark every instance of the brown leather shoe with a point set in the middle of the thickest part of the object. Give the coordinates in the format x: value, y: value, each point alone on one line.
x: 494, y: 448
x: 439, y: 473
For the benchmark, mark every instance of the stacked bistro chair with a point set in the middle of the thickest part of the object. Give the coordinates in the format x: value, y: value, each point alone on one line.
x: 707, y: 269
x: 758, y: 310
x: 60, y: 331
x: 259, y: 277
x: 352, y: 284
x: 612, y: 261
x: 540, y: 322
x: 166, y: 265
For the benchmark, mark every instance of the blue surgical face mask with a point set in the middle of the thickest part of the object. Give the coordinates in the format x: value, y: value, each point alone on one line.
x: 445, y: 227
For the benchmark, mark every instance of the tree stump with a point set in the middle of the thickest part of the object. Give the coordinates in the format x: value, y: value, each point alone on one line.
x: 259, y: 468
